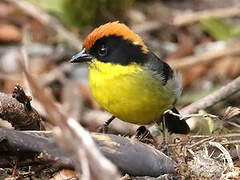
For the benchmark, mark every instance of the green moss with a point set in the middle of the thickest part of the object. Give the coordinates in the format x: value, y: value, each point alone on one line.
x: 219, y: 29
x: 83, y: 13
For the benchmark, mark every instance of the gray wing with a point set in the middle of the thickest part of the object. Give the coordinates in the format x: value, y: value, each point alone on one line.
x: 159, y: 68
x: 162, y: 71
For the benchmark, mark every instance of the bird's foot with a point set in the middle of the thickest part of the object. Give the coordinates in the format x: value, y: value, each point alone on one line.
x: 104, y: 128
x: 144, y: 135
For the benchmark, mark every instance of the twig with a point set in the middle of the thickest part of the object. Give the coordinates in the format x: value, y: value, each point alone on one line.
x: 203, y: 58
x: 200, y: 142
x: 209, y: 138
x: 217, y: 136
x: 233, y: 124
x: 182, y: 117
x: 71, y: 136
x: 189, y: 18
x: 225, y: 152
x: 49, y: 21
x: 230, y: 142
x: 212, y: 99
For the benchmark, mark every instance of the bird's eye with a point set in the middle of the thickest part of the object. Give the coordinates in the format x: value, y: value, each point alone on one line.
x: 102, y: 51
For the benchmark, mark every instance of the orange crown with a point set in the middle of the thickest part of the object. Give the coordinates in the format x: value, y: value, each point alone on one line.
x: 113, y: 28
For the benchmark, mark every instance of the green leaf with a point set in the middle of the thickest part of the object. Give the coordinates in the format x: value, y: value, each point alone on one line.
x: 220, y: 30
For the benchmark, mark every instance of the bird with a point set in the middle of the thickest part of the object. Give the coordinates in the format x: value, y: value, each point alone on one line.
x: 128, y: 80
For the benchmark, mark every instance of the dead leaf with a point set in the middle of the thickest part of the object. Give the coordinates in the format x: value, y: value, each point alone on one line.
x: 65, y: 174
x: 228, y: 67
x: 185, y: 48
x: 231, y: 112
x: 191, y: 75
x: 9, y: 33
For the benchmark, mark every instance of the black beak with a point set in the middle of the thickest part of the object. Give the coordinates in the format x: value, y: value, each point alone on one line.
x: 82, y: 56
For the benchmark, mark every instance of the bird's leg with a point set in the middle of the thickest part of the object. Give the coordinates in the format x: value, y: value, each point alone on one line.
x: 165, y: 143
x: 164, y: 146
x: 14, y: 171
x: 104, y: 127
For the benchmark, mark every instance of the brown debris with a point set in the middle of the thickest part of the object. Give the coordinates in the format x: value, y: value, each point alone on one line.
x: 205, y: 167
x: 20, y: 95
x: 21, y: 116
x: 65, y: 174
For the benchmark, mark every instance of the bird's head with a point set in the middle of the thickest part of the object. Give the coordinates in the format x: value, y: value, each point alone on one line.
x: 112, y: 43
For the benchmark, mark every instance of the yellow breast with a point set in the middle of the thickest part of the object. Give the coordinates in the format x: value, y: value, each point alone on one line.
x: 128, y: 92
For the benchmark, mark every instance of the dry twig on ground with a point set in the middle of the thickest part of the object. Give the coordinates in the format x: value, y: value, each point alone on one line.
x: 71, y: 136
x: 189, y: 18
x: 210, y: 100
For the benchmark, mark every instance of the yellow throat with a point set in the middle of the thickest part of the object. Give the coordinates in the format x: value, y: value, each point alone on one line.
x: 129, y: 92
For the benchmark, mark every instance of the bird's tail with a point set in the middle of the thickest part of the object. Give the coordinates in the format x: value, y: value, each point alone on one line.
x: 174, y: 124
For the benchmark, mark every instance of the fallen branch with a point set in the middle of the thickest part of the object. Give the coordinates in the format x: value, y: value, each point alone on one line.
x: 210, y: 100
x: 131, y: 157
x: 189, y: 18
x: 50, y: 22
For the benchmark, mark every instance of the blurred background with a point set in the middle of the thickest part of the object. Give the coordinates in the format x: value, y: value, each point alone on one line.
x: 199, y: 38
